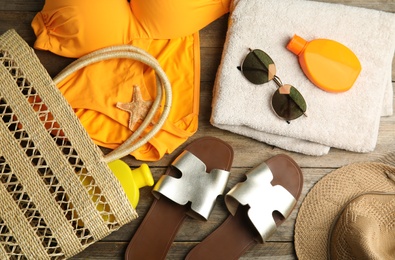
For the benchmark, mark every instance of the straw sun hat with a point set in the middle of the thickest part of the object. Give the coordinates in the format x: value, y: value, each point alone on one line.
x: 349, y: 214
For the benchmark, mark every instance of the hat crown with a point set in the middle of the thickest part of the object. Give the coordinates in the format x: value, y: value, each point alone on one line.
x: 365, y: 229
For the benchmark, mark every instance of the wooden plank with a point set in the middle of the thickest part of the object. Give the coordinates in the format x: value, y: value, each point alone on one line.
x: 20, y: 21
x: 213, y: 36
x: 178, y: 251
x: 384, y: 5
x: 22, y: 5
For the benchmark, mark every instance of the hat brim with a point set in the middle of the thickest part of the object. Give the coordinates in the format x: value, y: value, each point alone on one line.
x: 328, y: 197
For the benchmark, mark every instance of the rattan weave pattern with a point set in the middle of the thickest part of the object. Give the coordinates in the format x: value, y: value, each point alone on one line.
x: 57, y: 193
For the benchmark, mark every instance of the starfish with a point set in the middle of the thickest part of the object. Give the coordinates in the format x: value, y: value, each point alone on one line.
x: 138, y: 108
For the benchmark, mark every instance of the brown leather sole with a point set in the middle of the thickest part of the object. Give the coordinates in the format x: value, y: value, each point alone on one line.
x: 156, y: 233
x: 237, y: 234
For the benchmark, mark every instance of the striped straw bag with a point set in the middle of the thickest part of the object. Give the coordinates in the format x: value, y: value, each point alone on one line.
x: 57, y: 193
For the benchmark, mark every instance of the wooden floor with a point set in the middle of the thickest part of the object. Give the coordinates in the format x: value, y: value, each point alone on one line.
x: 18, y: 14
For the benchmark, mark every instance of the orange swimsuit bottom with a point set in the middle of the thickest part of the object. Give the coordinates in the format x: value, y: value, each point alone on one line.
x: 168, y: 30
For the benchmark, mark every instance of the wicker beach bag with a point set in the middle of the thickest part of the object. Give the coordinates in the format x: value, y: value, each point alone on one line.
x: 57, y: 194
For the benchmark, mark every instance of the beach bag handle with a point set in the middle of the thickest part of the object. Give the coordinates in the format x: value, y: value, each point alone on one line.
x: 58, y: 195
x: 163, y: 90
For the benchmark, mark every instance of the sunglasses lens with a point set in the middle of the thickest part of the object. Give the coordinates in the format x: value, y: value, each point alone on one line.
x: 258, y: 67
x: 289, y: 106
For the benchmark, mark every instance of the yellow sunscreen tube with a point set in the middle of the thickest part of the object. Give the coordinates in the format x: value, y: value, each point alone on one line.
x: 131, y: 181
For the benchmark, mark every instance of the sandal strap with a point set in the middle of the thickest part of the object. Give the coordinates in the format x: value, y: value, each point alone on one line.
x: 195, y: 185
x: 262, y: 198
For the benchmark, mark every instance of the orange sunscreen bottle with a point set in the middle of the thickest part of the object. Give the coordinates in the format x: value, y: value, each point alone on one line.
x: 330, y: 65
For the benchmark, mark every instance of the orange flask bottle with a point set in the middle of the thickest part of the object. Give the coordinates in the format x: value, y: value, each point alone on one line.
x: 328, y: 64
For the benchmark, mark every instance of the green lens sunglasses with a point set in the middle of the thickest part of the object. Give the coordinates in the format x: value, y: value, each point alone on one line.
x: 287, y: 102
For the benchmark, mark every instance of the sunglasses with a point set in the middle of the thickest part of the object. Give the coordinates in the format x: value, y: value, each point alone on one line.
x: 287, y: 102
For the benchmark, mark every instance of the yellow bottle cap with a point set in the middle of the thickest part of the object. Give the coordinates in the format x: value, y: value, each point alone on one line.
x: 142, y: 176
x: 132, y: 180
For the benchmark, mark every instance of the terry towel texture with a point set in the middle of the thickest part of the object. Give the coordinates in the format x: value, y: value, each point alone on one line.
x: 348, y: 120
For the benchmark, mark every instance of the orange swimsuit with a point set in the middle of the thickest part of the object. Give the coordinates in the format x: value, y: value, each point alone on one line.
x: 168, y: 30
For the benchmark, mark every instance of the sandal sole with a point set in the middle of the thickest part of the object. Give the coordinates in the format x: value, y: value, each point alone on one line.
x: 237, y: 234
x: 156, y: 233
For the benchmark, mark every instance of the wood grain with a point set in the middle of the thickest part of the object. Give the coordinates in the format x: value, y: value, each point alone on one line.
x: 18, y: 14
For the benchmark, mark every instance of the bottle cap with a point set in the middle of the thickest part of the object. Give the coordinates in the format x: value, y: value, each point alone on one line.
x: 143, y: 176
x: 132, y: 180
x: 296, y: 44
